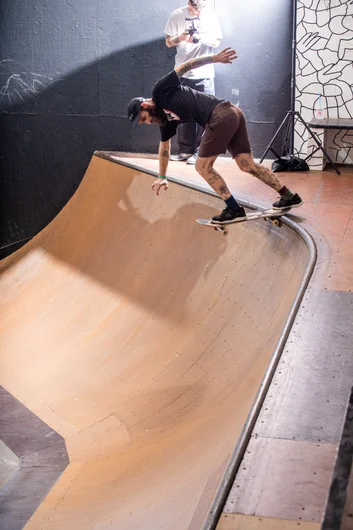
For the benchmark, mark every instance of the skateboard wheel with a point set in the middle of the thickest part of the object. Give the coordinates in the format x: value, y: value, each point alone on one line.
x: 276, y: 222
x: 225, y: 232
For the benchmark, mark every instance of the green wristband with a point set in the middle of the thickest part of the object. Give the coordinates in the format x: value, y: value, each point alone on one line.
x: 162, y: 177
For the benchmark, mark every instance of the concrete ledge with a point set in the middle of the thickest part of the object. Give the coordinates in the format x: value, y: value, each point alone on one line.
x: 42, y: 458
x: 339, y: 510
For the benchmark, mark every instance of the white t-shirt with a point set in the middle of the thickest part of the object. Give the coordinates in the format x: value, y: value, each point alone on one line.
x: 208, y: 29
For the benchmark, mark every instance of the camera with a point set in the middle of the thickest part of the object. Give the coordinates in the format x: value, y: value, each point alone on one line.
x: 193, y: 32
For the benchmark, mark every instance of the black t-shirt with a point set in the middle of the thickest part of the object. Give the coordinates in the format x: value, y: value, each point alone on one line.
x: 181, y: 104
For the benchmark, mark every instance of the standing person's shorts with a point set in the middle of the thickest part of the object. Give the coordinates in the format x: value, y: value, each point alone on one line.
x: 226, y: 129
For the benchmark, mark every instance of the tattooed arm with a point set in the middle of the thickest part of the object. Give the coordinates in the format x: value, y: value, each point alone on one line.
x: 209, y: 40
x: 174, y: 41
x: 225, y: 56
x: 163, y: 156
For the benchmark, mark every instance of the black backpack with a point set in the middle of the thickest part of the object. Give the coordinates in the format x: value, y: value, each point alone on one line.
x: 289, y: 163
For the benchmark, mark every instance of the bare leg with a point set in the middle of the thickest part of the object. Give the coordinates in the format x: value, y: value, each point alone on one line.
x: 246, y: 163
x: 204, y: 166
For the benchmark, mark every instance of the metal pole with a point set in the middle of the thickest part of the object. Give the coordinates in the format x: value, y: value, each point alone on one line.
x: 293, y: 85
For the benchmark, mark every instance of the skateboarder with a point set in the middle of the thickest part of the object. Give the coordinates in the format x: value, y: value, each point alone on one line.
x: 225, y: 128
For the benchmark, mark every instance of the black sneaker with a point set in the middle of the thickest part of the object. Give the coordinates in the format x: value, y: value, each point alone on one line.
x: 282, y: 203
x: 229, y: 216
x: 181, y: 157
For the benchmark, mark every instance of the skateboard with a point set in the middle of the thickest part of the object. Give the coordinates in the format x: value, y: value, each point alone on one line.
x: 269, y: 215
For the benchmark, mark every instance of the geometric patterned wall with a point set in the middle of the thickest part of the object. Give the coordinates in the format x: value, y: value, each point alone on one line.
x: 324, y: 65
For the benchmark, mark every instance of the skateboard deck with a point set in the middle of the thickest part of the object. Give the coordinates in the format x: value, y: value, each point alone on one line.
x: 269, y: 215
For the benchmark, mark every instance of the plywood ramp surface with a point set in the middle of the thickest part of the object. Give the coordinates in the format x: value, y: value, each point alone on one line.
x: 142, y: 338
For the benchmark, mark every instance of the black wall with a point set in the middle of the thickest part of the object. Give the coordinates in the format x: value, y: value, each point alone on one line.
x: 68, y: 69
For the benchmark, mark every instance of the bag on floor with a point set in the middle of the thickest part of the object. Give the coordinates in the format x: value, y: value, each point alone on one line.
x: 289, y: 163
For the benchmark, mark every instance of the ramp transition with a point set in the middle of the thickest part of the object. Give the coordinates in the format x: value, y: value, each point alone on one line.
x: 142, y: 339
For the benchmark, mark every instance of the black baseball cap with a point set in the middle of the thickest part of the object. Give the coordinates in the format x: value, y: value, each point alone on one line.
x: 133, y: 111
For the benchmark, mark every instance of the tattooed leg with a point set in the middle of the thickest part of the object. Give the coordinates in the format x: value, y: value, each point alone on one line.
x: 217, y: 183
x: 204, y: 166
x: 246, y: 163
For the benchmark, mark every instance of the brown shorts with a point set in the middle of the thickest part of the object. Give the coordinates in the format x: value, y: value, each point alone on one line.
x: 226, y: 129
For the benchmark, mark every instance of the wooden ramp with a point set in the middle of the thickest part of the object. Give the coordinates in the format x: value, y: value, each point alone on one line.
x: 142, y: 338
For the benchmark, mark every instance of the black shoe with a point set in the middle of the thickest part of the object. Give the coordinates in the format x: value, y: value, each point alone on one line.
x: 229, y: 216
x: 181, y: 157
x: 282, y: 203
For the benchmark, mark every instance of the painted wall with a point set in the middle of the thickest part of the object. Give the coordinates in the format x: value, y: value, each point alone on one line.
x: 68, y: 69
x: 324, y: 66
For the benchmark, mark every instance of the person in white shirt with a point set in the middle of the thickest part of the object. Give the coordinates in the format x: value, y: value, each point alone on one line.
x: 195, y: 31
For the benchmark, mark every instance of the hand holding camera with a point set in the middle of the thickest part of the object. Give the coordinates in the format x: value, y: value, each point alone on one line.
x: 192, y: 32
